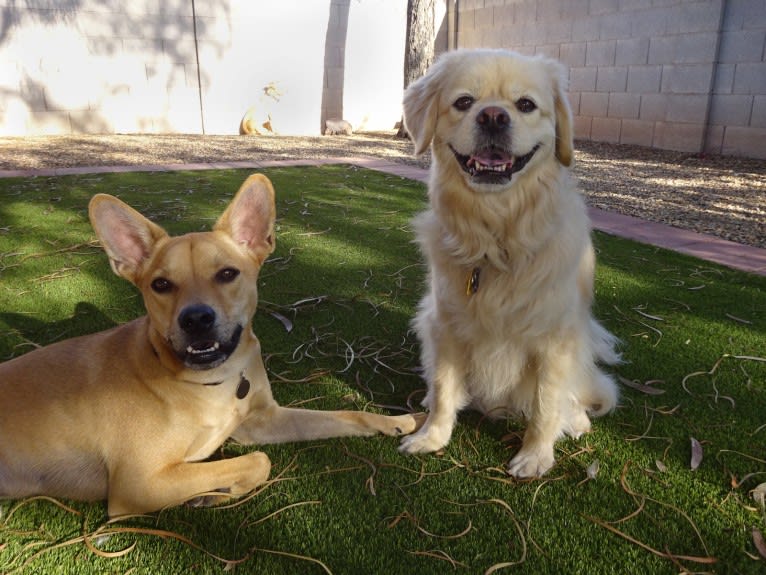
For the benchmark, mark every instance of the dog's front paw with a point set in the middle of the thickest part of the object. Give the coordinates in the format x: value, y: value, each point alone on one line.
x: 404, y: 424
x: 259, y: 467
x: 427, y: 440
x: 531, y: 462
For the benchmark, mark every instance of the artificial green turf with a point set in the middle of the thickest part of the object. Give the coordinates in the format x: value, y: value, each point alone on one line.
x: 345, y: 279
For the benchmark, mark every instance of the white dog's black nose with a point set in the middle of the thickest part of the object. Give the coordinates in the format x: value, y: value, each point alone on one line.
x: 197, y: 319
x: 493, y: 118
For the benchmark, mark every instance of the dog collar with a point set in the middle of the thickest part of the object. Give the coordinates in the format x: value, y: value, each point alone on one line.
x: 472, y: 285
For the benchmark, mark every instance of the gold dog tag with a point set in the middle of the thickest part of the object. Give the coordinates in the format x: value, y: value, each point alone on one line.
x: 472, y: 286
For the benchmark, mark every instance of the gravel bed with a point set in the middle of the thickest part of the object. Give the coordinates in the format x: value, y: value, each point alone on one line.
x: 718, y: 195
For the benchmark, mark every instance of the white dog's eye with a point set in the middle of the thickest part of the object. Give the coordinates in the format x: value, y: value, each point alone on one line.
x: 525, y: 105
x: 463, y: 103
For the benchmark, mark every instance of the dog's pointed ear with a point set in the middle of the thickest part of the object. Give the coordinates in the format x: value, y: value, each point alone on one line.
x: 421, y: 108
x: 127, y: 237
x: 249, y: 219
x: 564, y: 126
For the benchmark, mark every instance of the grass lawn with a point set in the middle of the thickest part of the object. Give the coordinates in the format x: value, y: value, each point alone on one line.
x: 336, y: 299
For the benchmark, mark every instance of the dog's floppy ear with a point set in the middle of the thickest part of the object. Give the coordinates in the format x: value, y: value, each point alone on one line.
x: 564, y: 128
x: 421, y: 108
x: 127, y: 237
x: 249, y: 219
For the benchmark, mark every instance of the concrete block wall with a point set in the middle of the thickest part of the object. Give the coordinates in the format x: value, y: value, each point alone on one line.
x: 687, y: 75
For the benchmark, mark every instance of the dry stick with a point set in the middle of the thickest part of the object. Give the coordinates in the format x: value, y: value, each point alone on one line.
x: 439, y: 554
x: 716, y: 365
x: 370, y: 483
x: 667, y: 555
x: 604, y: 524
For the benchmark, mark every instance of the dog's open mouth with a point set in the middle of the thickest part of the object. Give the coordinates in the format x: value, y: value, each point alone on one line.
x: 492, y: 165
x: 209, y: 353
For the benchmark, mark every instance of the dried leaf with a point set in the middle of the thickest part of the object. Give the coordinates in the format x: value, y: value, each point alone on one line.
x: 759, y: 495
x: 285, y: 321
x: 760, y: 544
x: 643, y: 388
x: 696, y: 454
x: 661, y: 467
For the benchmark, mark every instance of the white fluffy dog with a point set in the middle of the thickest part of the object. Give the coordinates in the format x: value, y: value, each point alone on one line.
x: 506, y: 325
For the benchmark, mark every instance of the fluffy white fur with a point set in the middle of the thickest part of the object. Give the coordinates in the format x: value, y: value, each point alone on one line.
x: 525, y: 342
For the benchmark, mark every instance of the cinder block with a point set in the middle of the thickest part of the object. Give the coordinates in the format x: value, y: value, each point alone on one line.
x: 614, y: 26
x: 758, y: 116
x: 750, y: 78
x: 573, y: 54
x: 687, y: 108
x: 582, y: 79
x: 631, y: 51
x: 695, y: 48
x: 603, y: 6
x: 687, y: 79
x: 653, y: 107
x: 637, y: 133
x: 742, y: 46
x: 611, y: 79
x: 741, y: 141
x: 600, y: 53
x: 662, y: 49
x: 594, y: 104
x: 731, y: 110
x: 690, y: 17
x: 624, y: 106
x: 582, y: 125
x: 605, y: 130
x: 745, y: 14
x: 585, y: 30
x: 679, y: 137
x: 644, y: 79
x: 648, y: 23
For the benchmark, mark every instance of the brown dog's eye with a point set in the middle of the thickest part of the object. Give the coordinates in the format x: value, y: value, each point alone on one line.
x: 463, y: 103
x: 525, y: 105
x: 226, y: 275
x: 161, y: 285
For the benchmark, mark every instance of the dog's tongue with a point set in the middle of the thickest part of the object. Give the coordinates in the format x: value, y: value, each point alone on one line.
x: 491, y: 158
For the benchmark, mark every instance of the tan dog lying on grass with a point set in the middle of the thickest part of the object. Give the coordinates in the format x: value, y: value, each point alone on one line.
x: 506, y: 326
x: 129, y: 414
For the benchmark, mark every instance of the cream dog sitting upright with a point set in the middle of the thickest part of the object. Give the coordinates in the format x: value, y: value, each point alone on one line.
x: 129, y: 414
x: 506, y: 325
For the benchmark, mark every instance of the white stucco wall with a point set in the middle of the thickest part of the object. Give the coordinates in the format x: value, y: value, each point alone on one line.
x: 102, y: 66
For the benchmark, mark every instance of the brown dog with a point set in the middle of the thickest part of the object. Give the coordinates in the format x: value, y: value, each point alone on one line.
x: 129, y: 414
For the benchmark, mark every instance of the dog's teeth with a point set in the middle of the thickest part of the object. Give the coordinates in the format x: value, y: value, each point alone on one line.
x: 192, y: 351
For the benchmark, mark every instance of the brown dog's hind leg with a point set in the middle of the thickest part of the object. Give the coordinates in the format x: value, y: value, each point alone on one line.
x: 179, y: 483
x: 284, y: 424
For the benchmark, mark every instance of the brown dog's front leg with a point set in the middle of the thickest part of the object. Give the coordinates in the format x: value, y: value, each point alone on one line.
x: 283, y: 424
x: 131, y: 492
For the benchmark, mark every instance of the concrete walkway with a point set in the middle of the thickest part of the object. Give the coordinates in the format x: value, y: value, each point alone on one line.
x: 710, y: 248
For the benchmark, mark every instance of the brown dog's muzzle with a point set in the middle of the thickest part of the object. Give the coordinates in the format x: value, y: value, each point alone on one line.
x: 203, y: 345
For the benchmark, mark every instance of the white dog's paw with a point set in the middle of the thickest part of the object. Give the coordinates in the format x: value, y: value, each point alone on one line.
x: 533, y: 462
x: 429, y: 439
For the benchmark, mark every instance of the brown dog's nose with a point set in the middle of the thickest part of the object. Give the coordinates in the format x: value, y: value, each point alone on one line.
x: 197, y: 319
x: 493, y: 118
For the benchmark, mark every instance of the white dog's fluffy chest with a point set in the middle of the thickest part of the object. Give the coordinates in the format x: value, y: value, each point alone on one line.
x: 508, y: 297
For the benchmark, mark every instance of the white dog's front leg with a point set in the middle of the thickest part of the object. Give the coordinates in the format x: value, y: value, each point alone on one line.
x: 545, y: 423
x: 445, y: 375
